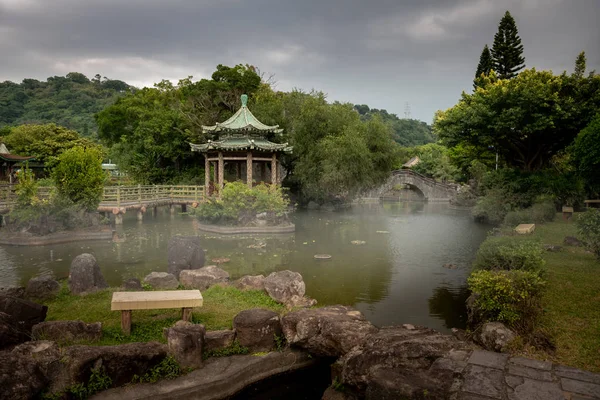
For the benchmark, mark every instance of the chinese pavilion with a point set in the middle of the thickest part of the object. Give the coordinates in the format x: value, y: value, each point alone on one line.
x: 241, y: 139
x: 9, y: 163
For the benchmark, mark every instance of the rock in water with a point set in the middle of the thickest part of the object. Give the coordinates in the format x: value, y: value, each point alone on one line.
x: 256, y: 329
x: 284, y: 285
x: 42, y: 287
x: 329, y: 331
x: 204, y: 277
x: 85, y: 275
x: 132, y: 284
x: 250, y: 282
x: 67, y: 331
x: 161, y: 280
x: 495, y: 336
x: 184, y: 252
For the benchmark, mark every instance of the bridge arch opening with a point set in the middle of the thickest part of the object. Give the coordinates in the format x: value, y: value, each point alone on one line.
x: 404, y: 192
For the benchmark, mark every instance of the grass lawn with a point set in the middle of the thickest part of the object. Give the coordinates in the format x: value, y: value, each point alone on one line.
x: 572, y: 299
x: 221, y: 304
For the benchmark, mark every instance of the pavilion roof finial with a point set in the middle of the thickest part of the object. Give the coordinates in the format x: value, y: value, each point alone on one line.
x: 244, y: 98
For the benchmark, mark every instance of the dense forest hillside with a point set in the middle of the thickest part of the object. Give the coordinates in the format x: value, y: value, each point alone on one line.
x: 70, y: 101
x: 406, y: 132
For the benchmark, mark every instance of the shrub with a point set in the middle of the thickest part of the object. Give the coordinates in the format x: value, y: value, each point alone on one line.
x: 492, y: 207
x: 539, y: 213
x: 588, y: 225
x: 79, y: 176
x: 239, y: 204
x: 508, y: 253
x: 511, y: 297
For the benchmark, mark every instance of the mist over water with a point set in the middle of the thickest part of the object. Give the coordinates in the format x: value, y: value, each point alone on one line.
x: 396, y: 277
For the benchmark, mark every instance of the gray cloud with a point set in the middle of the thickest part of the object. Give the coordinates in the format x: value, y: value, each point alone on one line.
x: 383, y: 52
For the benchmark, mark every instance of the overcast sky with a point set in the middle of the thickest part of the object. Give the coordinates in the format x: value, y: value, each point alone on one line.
x: 384, y: 53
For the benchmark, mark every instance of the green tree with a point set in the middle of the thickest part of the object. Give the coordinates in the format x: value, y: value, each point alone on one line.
x: 435, y: 162
x: 79, y: 177
x: 507, y: 50
x: 337, y: 154
x: 527, y: 119
x: 147, y: 134
x: 484, y: 67
x: 586, y: 154
x: 45, y: 142
x: 69, y: 101
x: 580, y: 65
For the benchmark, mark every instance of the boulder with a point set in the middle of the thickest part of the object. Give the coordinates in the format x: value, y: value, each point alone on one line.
x: 329, y: 331
x: 132, y: 284
x: 283, y: 285
x: 203, y: 278
x: 20, y: 377
x: 494, y: 336
x: 46, y: 355
x: 552, y: 248
x: 216, y: 340
x: 404, y: 362
x: 186, y: 342
x: 250, y: 282
x: 42, y: 287
x: 313, y: 205
x: 11, y: 331
x: 184, y: 253
x: 17, y: 291
x: 572, y: 241
x: 161, y: 280
x: 121, y: 363
x: 85, y: 275
x: 256, y: 329
x: 25, y: 313
x: 67, y: 331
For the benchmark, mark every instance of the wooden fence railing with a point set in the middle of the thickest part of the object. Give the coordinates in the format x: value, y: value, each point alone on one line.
x: 119, y: 195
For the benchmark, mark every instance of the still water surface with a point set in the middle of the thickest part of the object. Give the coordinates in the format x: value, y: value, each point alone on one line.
x: 396, y: 277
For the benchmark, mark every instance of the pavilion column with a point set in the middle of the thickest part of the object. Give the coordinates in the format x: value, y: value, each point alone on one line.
x: 215, y: 172
x: 206, y: 175
x: 249, y: 169
x: 221, y: 172
x: 274, y: 169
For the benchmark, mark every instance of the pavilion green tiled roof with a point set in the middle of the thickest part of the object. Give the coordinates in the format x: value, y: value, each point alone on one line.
x: 239, y: 143
x: 242, y: 121
x: 242, y: 132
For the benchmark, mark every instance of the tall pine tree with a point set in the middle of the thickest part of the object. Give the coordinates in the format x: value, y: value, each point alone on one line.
x: 507, y: 51
x: 484, y: 66
x: 580, y: 65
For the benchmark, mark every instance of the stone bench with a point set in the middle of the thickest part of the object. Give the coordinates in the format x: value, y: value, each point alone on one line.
x: 129, y: 301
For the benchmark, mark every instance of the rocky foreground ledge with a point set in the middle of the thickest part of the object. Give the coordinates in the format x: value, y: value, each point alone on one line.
x: 398, y: 362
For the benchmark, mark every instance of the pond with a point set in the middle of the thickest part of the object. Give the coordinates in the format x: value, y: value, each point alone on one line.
x: 396, y: 276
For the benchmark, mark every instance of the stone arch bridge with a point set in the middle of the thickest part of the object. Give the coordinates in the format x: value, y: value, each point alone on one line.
x: 428, y: 189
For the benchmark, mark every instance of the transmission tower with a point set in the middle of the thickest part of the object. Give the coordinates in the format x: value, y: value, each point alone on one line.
x: 407, y: 110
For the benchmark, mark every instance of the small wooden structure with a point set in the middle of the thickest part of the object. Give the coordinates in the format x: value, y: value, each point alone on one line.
x: 592, y: 203
x: 9, y: 163
x: 241, y: 140
x: 128, y: 301
x: 567, y: 213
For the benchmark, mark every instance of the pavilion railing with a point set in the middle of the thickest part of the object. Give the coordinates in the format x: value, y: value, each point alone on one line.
x: 121, y: 195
